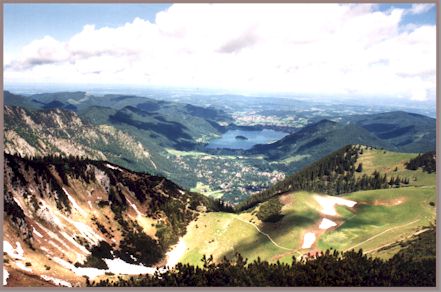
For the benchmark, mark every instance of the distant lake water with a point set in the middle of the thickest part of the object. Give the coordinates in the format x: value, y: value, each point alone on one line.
x: 233, y: 139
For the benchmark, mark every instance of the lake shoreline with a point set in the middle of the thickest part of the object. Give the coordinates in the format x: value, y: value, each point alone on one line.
x: 248, y: 139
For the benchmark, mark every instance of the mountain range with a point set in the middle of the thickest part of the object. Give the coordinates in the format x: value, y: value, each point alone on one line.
x: 109, y: 191
x: 69, y: 221
x: 395, y: 131
x: 136, y: 132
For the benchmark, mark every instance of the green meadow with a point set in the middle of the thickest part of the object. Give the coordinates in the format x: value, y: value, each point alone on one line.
x: 380, y: 218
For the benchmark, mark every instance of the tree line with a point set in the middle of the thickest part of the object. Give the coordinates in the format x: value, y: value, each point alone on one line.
x: 334, y: 175
x: 426, y: 161
x: 326, y: 269
x: 412, y: 266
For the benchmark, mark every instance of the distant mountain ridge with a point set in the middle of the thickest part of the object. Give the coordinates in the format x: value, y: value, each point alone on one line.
x: 407, y: 132
x: 63, y: 132
x: 312, y: 135
x: 139, y: 133
x: 182, y: 123
x: 80, y: 101
x: 394, y: 131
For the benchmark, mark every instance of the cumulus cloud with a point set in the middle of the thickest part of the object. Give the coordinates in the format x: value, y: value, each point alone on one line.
x: 320, y: 49
x: 40, y: 52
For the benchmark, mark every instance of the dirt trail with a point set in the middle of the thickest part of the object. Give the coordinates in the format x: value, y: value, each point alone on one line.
x: 381, y: 233
x: 263, y: 233
x: 392, y: 243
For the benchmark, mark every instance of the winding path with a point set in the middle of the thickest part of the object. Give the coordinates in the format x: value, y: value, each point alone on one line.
x: 381, y: 233
x: 263, y: 233
x: 391, y: 243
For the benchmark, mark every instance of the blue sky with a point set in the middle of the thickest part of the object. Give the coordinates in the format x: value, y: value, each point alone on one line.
x: 428, y: 17
x: 26, y: 22
x: 352, y: 49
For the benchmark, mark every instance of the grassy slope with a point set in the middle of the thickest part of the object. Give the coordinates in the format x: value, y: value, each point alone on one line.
x: 373, y: 219
x: 381, y: 217
x: 386, y: 162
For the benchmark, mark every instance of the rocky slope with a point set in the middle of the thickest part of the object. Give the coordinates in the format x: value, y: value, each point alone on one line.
x: 68, y: 219
x: 63, y: 132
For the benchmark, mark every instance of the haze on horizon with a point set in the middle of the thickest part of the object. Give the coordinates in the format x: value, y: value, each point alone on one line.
x: 329, y: 50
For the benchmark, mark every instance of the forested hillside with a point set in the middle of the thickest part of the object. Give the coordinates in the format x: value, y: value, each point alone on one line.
x: 334, y: 174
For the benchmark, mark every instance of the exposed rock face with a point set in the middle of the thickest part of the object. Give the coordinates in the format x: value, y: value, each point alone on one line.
x: 62, y: 132
x: 71, y: 216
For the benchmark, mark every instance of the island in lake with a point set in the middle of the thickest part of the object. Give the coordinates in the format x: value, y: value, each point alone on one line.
x: 241, y: 137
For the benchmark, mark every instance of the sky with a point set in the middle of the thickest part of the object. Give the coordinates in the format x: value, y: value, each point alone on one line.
x: 329, y: 50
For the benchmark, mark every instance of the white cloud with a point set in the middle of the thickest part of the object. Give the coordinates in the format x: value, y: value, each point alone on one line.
x: 39, y: 52
x: 320, y: 49
x: 421, y: 8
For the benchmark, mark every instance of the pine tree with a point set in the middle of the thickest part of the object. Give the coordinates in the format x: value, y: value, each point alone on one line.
x: 392, y: 181
x: 397, y: 181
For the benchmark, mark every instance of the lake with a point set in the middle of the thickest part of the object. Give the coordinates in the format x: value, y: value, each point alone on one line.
x: 241, y: 139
